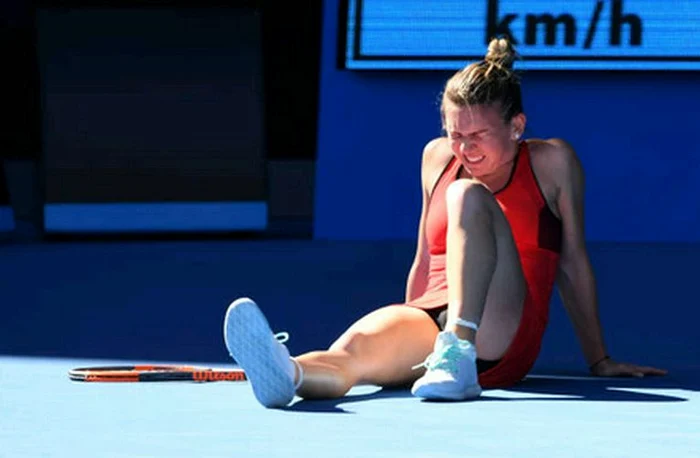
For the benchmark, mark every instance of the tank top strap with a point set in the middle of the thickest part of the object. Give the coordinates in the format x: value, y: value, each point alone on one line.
x: 447, y: 176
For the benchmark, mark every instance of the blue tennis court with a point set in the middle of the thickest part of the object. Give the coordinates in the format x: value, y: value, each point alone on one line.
x: 158, y: 162
x: 45, y: 415
x: 126, y: 302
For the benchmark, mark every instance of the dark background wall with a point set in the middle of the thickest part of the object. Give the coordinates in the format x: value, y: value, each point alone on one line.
x: 288, y: 46
x: 630, y: 129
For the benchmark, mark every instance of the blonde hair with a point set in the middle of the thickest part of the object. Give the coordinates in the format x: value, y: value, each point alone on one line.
x: 489, y: 81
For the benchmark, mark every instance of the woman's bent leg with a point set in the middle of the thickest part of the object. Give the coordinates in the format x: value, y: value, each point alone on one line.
x: 486, y: 290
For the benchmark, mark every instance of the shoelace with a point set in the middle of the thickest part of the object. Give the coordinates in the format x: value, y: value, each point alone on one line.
x: 446, y: 359
x: 282, y: 337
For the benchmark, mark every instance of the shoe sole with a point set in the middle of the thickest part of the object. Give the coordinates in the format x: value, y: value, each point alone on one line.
x: 472, y: 392
x: 251, y: 343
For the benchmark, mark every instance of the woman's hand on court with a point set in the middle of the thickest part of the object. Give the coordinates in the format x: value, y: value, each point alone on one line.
x: 612, y: 368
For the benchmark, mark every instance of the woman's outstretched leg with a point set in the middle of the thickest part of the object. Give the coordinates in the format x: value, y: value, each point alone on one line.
x: 381, y: 348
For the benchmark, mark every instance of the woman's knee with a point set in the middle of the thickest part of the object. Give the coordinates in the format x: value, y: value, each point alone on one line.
x: 467, y: 200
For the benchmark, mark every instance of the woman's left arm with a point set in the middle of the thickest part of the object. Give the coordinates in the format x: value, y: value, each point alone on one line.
x: 575, y: 277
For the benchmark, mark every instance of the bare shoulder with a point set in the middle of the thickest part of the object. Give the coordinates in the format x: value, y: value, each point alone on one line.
x: 557, y: 169
x: 436, y: 156
x: 554, y: 160
x: 554, y: 151
x: 434, y: 150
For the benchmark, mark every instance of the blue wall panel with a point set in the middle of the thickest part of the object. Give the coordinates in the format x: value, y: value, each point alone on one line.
x: 633, y: 131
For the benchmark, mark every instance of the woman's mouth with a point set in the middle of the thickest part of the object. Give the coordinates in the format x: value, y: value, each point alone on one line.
x: 474, y: 159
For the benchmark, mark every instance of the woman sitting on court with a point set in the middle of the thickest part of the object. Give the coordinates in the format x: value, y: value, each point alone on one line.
x: 502, y: 220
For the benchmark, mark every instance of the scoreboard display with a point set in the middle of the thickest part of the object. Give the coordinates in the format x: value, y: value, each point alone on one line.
x: 551, y: 35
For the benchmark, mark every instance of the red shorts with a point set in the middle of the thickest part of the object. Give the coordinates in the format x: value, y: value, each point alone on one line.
x: 522, y: 352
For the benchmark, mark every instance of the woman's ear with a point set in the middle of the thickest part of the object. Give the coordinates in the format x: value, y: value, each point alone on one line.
x: 518, y: 126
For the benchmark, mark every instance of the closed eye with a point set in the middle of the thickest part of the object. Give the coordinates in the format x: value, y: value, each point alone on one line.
x: 479, y: 134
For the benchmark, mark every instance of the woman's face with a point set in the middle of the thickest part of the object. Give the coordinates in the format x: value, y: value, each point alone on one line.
x: 480, y: 138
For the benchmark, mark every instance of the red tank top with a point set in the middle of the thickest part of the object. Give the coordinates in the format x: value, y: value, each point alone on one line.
x: 536, y: 230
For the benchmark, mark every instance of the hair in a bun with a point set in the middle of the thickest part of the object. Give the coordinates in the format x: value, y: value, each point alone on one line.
x: 501, y: 52
x: 489, y: 81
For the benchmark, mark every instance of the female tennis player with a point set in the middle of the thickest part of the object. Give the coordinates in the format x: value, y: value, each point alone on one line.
x: 501, y: 223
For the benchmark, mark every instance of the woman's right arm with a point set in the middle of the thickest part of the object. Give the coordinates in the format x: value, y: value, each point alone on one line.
x: 418, y: 275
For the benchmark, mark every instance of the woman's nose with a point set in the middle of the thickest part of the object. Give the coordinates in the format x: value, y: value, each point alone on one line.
x: 466, y: 145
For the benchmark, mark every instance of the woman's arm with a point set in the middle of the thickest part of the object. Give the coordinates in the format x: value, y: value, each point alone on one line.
x: 575, y: 278
x: 418, y: 275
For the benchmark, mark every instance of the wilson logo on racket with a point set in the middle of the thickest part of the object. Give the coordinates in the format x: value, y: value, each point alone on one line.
x: 213, y: 376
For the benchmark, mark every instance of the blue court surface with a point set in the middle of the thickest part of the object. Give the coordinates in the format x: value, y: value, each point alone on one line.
x: 66, y: 305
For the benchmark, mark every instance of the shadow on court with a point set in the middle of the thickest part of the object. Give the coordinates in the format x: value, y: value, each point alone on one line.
x: 543, y: 388
x: 563, y: 388
x: 333, y: 405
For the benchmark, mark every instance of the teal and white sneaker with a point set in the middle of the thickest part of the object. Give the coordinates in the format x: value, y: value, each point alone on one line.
x: 260, y: 353
x: 451, y: 371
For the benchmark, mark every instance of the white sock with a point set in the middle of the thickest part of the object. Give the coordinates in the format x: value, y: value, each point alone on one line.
x: 464, y: 323
x: 300, y: 371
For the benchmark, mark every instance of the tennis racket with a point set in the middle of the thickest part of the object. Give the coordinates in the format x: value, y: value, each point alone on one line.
x: 152, y: 373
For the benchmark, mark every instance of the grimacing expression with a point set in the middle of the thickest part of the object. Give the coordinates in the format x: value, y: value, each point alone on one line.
x: 479, y: 137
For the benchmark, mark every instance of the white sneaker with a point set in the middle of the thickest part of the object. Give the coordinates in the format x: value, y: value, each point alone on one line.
x: 451, y: 371
x: 260, y: 353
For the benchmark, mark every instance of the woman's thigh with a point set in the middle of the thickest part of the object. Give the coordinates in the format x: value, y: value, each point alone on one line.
x: 385, y: 344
